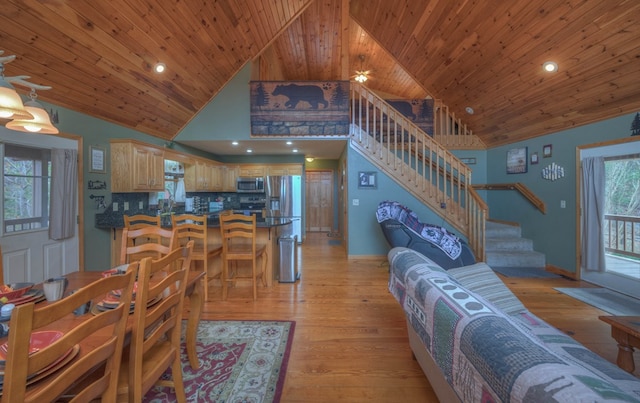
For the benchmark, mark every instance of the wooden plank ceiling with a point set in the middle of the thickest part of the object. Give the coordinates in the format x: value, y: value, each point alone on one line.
x: 98, y: 55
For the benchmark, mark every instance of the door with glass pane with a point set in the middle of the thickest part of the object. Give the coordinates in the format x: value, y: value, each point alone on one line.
x: 27, y: 252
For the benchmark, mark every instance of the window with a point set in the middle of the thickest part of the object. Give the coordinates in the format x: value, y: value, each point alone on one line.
x: 27, y: 185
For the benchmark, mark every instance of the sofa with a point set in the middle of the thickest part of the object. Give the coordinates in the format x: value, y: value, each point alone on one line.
x: 476, y: 342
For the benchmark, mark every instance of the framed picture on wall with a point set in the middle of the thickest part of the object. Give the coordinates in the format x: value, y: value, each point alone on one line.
x: 367, y: 180
x: 97, y: 160
x: 546, y: 151
x: 534, y: 158
x: 517, y: 160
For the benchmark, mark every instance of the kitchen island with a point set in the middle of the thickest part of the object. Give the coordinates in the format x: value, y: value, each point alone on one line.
x: 268, y: 231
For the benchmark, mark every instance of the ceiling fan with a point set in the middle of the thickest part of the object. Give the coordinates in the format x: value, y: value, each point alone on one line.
x: 361, y: 75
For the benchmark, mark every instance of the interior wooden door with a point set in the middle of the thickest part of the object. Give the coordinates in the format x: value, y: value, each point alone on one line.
x: 319, y: 199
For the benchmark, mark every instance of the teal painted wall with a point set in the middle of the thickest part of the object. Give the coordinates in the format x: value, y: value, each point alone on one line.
x: 96, y: 132
x: 365, y: 235
x: 553, y: 233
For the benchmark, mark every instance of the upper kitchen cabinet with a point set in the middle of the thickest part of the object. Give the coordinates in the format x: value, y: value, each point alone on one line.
x: 284, y: 169
x: 203, y: 176
x: 229, y: 177
x: 252, y: 171
x: 136, y: 167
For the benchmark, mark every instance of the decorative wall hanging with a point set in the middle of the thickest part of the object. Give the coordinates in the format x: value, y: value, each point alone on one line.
x: 419, y: 111
x: 635, y: 125
x: 301, y: 108
x: 546, y: 151
x: 534, y: 158
x: 517, y: 160
x: 99, y: 201
x: 96, y: 160
x: 97, y: 185
x: 367, y: 180
x: 553, y: 172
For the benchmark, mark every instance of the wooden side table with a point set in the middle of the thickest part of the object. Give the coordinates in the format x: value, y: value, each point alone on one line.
x: 626, y: 331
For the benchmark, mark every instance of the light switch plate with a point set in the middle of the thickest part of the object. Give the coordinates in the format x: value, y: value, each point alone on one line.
x: 356, y: 202
x: 126, y: 206
x: 115, y: 206
x: 140, y: 205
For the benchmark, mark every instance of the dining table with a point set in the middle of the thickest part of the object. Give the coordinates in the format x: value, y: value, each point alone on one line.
x: 76, y: 280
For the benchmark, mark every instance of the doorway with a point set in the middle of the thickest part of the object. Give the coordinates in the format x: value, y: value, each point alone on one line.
x: 319, y: 201
x: 618, y: 240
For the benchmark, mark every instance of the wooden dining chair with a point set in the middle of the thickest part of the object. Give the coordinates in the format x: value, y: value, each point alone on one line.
x: 88, y: 341
x: 238, y: 234
x: 155, y: 338
x: 140, y: 220
x: 194, y: 227
x: 149, y: 241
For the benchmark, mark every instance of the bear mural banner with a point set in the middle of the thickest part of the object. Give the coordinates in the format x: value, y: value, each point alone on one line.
x: 418, y: 111
x: 299, y: 108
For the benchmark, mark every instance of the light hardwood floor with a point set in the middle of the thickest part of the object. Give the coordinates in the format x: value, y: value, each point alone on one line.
x: 350, y: 342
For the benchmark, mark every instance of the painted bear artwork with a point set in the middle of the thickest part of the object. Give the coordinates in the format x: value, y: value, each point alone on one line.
x: 312, y: 94
x: 301, y: 108
x: 419, y: 111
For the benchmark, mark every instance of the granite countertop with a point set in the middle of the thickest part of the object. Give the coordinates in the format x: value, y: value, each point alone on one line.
x: 115, y: 221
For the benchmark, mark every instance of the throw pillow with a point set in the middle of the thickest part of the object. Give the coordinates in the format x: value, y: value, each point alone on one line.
x: 480, y: 279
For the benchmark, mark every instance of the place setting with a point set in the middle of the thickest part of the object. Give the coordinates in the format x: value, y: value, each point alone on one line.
x: 112, y: 299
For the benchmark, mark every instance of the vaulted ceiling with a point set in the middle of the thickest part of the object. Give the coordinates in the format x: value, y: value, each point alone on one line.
x: 98, y: 55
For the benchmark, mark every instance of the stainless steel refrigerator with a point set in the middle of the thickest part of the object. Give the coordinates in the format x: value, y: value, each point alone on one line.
x: 284, y: 199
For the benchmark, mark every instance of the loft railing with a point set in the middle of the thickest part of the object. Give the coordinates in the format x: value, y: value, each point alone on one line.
x: 421, y: 165
x: 622, y: 235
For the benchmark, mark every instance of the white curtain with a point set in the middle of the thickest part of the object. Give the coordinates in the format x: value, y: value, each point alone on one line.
x: 64, y: 184
x: 592, y: 190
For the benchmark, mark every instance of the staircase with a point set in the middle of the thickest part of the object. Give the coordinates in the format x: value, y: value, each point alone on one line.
x: 421, y: 164
x: 505, y: 247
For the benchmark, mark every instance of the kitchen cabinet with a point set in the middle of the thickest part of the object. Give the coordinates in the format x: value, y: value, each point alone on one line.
x: 203, y: 176
x: 284, y: 169
x: 136, y: 167
x: 229, y: 176
x: 252, y: 171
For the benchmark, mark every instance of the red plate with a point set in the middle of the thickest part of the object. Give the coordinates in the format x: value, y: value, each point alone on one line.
x: 39, y: 340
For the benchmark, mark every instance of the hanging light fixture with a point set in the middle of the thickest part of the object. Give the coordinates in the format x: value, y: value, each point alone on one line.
x: 41, y: 123
x: 11, y: 106
x: 361, y: 75
x: 28, y: 117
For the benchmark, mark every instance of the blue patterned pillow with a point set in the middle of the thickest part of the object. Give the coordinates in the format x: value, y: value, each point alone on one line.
x: 480, y: 279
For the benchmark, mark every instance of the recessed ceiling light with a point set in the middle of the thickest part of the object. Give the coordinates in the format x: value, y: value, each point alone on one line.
x: 550, y: 67
x: 289, y: 143
x: 234, y: 143
x: 249, y: 150
x: 469, y: 110
x: 159, y: 67
x: 295, y: 150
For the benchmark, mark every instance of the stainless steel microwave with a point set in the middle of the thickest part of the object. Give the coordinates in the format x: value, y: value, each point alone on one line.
x: 250, y: 185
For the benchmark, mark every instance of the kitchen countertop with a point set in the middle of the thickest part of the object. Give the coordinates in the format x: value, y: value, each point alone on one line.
x: 115, y: 221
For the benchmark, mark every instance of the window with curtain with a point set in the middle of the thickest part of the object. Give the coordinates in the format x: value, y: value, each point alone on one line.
x: 27, y: 187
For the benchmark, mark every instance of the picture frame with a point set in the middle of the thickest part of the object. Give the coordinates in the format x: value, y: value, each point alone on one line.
x: 517, y: 160
x: 469, y: 160
x: 546, y: 150
x: 367, y: 180
x: 534, y: 158
x: 97, y: 157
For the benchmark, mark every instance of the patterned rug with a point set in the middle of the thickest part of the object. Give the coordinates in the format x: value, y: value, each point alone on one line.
x: 241, y: 361
x: 605, y: 299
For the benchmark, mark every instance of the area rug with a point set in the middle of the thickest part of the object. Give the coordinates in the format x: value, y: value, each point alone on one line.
x: 524, y: 272
x: 240, y: 361
x: 605, y: 299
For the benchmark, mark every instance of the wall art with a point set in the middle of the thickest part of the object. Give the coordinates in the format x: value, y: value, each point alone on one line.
x: 517, y: 160
x: 97, y: 157
x: 553, y: 172
x: 367, y: 180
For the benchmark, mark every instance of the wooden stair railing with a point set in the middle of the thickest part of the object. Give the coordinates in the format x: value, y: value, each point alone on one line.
x: 417, y: 162
x: 521, y: 188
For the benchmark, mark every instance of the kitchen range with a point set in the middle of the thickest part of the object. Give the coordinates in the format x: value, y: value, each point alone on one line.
x: 252, y: 205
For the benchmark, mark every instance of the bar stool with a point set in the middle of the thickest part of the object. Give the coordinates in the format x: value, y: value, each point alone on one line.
x: 140, y: 220
x: 238, y: 233
x: 194, y: 227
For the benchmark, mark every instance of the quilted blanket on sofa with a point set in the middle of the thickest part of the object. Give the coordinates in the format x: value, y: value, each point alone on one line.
x: 488, y: 356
